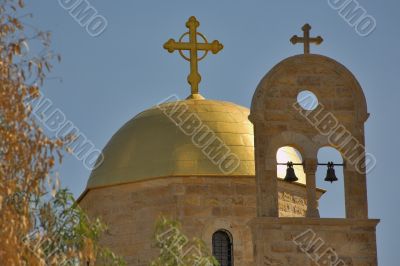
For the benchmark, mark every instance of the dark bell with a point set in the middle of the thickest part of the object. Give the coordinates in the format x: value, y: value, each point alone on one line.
x: 290, y: 174
x: 330, y: 174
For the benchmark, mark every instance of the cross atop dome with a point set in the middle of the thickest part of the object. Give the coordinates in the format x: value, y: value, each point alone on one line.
x: 193, y: 46
x: 306, y: 39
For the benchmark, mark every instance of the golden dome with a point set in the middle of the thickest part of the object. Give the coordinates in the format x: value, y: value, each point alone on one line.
x: 151, y: 145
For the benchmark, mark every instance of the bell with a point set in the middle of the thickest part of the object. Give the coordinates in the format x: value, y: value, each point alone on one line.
x: 290, y: 174
x: 330, y: 174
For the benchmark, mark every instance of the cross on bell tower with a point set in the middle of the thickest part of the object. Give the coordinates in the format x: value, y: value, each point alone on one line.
x: 306, y: 39
x: 193, y: 46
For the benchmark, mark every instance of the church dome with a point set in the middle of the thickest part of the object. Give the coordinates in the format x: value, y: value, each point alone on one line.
x: 151, y: 145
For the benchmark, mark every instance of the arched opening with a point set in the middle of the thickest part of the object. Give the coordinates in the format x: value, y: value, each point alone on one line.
x: 290, y: 154
x: 332, y: 203
x: 222, y: 247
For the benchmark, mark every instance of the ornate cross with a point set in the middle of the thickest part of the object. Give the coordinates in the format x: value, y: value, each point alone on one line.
x: 306, y: 39
x: 193, y: 47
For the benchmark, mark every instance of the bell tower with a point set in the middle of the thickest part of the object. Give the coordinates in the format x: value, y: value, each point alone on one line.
x: 331, y: 114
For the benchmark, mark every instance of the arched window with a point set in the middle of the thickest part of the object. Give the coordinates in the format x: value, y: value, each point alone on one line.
x: 289, y: 154
x: 223, y: 247
x: 332, y: 204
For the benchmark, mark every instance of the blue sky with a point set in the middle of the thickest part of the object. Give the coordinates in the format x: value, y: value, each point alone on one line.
x: 110, y: 78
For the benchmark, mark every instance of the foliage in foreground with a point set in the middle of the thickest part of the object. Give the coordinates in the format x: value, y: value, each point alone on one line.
x: 63, y: 230
x: 176, y: 249
x: 36, y: 228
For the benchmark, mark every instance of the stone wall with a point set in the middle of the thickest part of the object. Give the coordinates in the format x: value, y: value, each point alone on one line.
x: 202, y: 204
x: 311, y: 242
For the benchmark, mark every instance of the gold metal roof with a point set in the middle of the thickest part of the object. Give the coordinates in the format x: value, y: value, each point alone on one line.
x: 150, y: 145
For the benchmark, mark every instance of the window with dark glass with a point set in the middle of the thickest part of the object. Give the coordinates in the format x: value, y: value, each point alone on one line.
x: 222, y: 248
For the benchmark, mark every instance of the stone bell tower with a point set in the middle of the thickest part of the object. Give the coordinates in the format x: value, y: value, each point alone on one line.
x: 336, y: 121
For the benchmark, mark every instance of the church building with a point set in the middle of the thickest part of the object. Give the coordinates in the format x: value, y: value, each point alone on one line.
x: 242, y: 180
